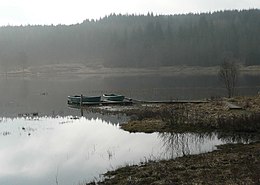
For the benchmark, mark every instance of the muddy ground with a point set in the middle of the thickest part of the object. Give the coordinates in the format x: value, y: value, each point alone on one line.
x: 230, y: 164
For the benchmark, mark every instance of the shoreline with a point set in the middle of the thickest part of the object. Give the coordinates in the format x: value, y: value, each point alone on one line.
x: 230, y: 164
x: 83, y: 70
x: 211, y: 115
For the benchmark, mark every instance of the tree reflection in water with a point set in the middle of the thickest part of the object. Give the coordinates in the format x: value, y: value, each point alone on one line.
x: 238, y: 137
x: 181, y: 144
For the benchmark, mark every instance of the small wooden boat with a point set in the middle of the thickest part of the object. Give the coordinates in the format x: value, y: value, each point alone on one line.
x: 113, y: 97
x: 85, y: 99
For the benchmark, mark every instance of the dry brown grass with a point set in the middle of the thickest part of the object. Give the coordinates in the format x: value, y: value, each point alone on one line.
x: 233, y: 164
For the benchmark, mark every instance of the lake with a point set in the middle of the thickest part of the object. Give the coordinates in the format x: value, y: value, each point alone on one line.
x: 61, y: 147
x: 71, y: 150
x: 47, y: 95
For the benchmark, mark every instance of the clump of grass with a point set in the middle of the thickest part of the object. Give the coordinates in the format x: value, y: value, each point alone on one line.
x: 240, y: 123
x: 176, y: 116
x: 181, y: 118
x: 145, y: 114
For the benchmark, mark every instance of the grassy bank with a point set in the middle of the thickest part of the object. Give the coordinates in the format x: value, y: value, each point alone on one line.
x: 231, y: 164
x: 204, y: 117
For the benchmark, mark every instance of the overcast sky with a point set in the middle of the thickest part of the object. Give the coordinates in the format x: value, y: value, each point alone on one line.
x: 17, y: 12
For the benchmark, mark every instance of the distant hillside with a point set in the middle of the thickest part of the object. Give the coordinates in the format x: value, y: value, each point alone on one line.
x: 137, y: 41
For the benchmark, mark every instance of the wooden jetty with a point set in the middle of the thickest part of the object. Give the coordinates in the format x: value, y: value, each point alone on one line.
x: 132, y: 101
x: 170, y: 101
x: 129, y: 101
x: 165, y: 101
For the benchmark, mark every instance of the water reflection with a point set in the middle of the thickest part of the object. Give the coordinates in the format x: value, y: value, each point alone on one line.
x: 62, y: 149
x: 46, y: 150
x: 238, y: 137
x: 181, y: 144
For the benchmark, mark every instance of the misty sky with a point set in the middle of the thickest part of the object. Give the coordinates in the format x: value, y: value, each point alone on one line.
x: 17, y: 12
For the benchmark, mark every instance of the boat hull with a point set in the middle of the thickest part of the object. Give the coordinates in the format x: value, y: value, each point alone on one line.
x: 113, y: 97
x: 85, y: 99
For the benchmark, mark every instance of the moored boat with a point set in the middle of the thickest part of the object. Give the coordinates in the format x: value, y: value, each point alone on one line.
x: 85, y: 99
x: 113, y: 97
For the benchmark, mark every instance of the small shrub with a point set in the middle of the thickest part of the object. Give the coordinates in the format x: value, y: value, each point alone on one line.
x: 175, y: 116
x: 240, y: 123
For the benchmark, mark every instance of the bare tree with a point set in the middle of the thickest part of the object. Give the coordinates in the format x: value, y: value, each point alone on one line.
x: 228, y: 74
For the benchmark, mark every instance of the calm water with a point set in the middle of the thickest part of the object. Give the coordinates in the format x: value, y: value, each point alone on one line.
x: 61, y: 147
x: 48, y: 95
x: 43, y: 150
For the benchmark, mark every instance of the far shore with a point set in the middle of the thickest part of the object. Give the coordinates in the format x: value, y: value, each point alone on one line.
x: 82, y: 70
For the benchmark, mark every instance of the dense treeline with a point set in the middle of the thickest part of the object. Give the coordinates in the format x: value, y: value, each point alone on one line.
x: 137, y: 41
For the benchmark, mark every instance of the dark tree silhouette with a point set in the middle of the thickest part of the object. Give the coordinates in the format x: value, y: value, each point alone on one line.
x: 136, y: 41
